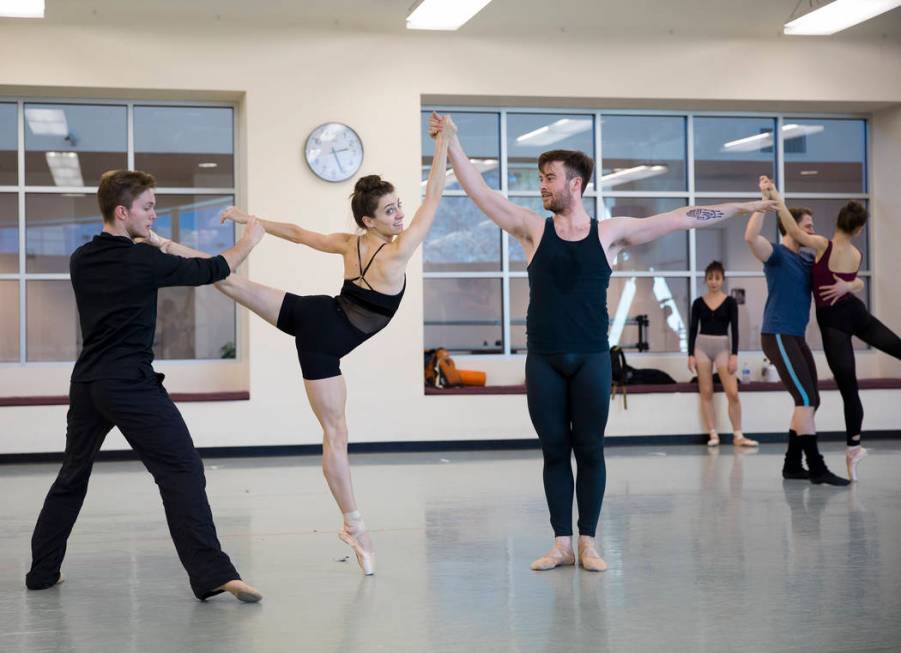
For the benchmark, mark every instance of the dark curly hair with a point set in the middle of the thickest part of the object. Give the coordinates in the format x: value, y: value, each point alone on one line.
x: 797, y: 214
x: 576, y: 164
x: 715, y: 266
x: 365, y: 198
x: 851, y: 217
x: 121, y: 188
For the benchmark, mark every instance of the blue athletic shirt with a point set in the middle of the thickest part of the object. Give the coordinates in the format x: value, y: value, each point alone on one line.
x: 787, y: 308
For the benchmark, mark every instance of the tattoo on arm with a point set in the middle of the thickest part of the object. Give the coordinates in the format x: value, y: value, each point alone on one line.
x: 704, y: 215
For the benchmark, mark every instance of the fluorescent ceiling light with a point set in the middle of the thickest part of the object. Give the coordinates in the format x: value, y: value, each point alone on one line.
x: 22, y: 8
x: 207, y: 164
x: 626, y: 175
x: 443, y: 14
x: 65, y: 168
x: 764, y: 140
x: 837, y: 16
x: 557, y: 131
x: 47, y: 122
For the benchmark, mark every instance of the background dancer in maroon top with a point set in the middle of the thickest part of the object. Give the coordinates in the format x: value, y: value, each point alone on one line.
x: 840, y: 314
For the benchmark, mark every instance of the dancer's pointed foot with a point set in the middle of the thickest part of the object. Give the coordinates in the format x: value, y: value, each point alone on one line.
x: 241, y: 591
x: 354, y: 535
x: 740, y: 440
x: 854, y: 455
x: 589, y: 557
x: 561, y: 555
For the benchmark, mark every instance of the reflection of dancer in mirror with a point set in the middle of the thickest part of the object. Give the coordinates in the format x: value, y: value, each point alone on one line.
x: 327, y: 328
x: 568, y: 362
x: 839, y: 313
x: 113, y: 384
x: 716, y: 314
x: 785, y: 318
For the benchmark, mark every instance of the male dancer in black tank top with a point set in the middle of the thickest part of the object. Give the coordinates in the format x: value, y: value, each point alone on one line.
x: 568, y: 362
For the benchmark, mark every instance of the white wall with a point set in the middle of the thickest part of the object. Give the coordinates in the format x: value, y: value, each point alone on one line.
x: 286, y: 82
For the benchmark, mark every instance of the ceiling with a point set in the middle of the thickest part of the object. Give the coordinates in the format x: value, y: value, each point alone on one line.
x: 698, y: 18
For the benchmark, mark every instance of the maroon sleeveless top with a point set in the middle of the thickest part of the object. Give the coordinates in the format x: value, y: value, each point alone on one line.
x: 821, y: 276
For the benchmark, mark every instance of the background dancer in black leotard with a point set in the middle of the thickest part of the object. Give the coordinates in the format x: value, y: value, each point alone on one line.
x: 327, y: 328
x: 840, y: 314
x: 715, y: 315
x: 568, y: 362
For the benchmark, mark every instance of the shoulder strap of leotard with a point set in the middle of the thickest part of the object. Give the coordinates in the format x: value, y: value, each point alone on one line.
x: 363, y: 270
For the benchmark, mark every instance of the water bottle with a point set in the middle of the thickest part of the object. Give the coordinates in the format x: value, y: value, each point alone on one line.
x: 745, y: 373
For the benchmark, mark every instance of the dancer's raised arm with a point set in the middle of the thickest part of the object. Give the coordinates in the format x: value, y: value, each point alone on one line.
x: 335, y: 243
x: 234, y: 256
x: 792, y: 228
x: 760, y: 247
x: 412, y: 236
x: 621, y: 233
x: 512, y: 218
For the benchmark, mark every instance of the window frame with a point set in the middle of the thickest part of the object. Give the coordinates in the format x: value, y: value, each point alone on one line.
x: 597, y: 192
x: 22, y: 276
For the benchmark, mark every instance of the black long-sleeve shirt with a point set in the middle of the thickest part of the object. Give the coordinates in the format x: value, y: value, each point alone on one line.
x: 116, y: 283
x: 713, y: 323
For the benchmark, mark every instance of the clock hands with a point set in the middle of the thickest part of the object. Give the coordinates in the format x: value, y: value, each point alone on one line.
x: 337, y: 160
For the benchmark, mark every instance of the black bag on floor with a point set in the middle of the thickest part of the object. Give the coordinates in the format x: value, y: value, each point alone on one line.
x: 624, y: 374
x: 619, y: 369
x: 650, y: 376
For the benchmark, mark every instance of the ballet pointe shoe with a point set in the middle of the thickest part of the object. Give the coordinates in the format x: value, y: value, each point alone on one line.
x: 854, y: 455
x: 558, y: 556
x: 742, y: 441
x: 589, y: 558
x: 713, y: 439
x: 351, y: 534
x: 241, y: 591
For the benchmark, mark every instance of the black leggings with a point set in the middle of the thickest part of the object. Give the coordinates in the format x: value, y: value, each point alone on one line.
x: 797, y: 369
x: 569, y: 398
x: 838, y: 323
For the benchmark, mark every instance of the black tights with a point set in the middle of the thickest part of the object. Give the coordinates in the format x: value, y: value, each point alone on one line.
x: 569, y: 398
x: 838, y: 323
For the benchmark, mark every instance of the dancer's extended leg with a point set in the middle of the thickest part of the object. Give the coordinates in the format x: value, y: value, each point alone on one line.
x: 262, y: 300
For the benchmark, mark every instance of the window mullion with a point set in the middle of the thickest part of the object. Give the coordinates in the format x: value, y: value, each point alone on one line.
x: 20, y: 128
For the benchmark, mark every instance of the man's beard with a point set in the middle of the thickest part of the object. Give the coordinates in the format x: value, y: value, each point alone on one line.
x: 558, y: 203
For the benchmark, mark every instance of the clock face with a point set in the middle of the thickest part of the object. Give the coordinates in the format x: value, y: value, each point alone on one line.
x: 334, y: 151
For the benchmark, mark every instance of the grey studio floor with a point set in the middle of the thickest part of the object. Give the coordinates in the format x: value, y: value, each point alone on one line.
x: 707, y: 552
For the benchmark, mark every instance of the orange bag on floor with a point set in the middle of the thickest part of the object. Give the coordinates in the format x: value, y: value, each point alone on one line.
x: 472, y: 377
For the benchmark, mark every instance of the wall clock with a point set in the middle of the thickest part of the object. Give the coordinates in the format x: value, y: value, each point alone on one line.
x: 334, y: 152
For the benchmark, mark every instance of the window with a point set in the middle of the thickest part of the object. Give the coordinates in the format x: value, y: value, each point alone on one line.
x: 476, y: 285
x: 67, y: 147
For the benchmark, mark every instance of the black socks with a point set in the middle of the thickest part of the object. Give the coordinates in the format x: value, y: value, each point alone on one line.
x: 793, y: 469
x: 819, y: 473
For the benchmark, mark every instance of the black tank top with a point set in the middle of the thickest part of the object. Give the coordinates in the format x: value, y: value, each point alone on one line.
x: 568, y: 294
x: 366, y: 308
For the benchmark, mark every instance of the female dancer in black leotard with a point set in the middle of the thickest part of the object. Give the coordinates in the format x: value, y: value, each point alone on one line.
x: 327, y: 328
x: 716, y: 314
x: 840, y: 314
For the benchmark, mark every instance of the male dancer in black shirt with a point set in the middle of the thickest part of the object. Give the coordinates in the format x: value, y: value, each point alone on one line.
x: 113, y: 384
